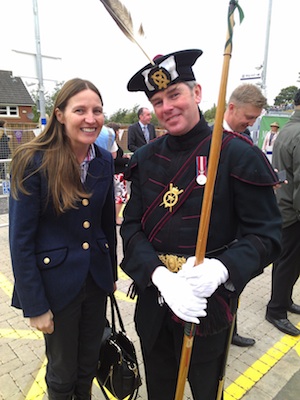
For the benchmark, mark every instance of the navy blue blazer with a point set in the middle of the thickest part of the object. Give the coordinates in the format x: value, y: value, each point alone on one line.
x: 51, y: 254
x: 136, y: 138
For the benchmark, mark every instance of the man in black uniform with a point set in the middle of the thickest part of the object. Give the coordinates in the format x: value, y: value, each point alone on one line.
x: 161, y: 223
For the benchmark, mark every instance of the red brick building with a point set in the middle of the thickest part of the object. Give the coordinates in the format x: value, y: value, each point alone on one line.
x: 16, y: 109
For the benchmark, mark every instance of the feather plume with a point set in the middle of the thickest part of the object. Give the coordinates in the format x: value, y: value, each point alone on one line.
x: 122, y: 17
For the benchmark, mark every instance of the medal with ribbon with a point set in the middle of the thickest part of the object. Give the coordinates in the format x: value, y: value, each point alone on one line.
x: 201, y: 170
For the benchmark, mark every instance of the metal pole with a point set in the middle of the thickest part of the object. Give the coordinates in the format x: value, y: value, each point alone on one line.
x: 265, y: 64
x: 39, y: 67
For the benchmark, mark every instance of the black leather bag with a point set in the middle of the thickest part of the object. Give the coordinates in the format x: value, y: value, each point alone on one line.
x: 118, y: 370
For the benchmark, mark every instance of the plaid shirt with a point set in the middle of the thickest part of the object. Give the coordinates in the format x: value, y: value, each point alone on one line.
x: 84, y: 166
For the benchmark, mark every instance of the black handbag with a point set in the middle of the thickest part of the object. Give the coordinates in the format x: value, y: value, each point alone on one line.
x: 118, y: 370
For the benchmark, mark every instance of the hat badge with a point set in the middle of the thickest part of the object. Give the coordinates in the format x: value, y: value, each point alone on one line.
x: 160, y: 76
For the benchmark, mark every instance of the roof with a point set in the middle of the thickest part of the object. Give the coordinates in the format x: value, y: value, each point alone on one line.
x: 13, y: 90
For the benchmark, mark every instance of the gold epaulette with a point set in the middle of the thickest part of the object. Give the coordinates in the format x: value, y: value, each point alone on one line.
x: 172, y: 262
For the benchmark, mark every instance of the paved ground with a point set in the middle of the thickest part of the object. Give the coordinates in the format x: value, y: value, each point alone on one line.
x: 269, y: 370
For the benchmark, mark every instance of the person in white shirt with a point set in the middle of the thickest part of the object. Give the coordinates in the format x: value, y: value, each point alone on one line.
x: 269, y: 140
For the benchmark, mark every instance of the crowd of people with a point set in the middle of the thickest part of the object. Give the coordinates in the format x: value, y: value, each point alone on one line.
x: 72, y: 180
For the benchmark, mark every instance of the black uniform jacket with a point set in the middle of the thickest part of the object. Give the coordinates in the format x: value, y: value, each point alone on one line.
x: 244, y: 208
x: 51, y: 254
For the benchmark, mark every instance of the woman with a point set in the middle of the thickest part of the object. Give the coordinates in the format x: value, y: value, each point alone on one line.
x: 121, y: 162
x: 62, y: 237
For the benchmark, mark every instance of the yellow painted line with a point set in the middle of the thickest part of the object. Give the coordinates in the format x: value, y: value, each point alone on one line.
x: 38, y: 388
x: 123, y: 296
x: 6, y: 285
x: 298, y: 348
x: 237, y: 389
x: 109, y: 395
x: 122, y: 275
x: 20, y: 334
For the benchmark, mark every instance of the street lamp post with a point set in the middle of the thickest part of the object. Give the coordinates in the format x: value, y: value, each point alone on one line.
x: 39, y: 65
x: 265, y: 63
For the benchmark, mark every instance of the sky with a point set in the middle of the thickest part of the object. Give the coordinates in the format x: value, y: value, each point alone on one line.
x: 79, y: 39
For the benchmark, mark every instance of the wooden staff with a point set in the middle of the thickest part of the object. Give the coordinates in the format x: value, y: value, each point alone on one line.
x: 214, y: 155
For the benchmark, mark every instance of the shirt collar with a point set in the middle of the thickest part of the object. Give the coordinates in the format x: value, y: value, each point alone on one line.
x: 226, y: 126
x: 84, y: 166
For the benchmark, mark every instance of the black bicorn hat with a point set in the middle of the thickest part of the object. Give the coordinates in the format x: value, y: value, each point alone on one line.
x: 165, y: 71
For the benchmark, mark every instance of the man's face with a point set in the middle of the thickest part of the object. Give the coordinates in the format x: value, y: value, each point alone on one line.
x: 239, y: 117
x: 177, y: 108
x: 145, y: 117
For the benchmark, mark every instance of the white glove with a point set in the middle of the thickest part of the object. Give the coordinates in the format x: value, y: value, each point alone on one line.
x: 178, y: 294
x: 204, y: 278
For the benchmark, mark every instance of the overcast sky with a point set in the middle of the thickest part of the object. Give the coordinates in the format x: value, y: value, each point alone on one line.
x: 79, y: 39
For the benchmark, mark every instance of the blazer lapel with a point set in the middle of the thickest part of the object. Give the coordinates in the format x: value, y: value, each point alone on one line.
x: 98, y: 170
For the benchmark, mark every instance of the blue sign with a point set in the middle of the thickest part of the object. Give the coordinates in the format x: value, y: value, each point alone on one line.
x: 6, y: 187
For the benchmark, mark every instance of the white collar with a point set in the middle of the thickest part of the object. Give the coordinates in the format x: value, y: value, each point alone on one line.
x: 226, y: 126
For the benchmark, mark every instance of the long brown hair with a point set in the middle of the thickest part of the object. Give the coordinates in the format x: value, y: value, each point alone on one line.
x: 59, y: 163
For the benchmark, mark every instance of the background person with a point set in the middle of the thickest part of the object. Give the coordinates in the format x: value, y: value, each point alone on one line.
x: 160, y: 227
x: 107, y: 140
x: 268, y: 143
x: 244, y: 106
x: 285, y: 273
x: 120, y: 184
x: 142, y: 131
x: 63, y: 248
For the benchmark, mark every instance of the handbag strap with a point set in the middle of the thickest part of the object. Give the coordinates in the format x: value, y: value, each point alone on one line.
x: 115, y: 307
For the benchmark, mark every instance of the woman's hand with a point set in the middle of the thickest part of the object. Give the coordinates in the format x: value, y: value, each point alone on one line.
x: 43, y: 323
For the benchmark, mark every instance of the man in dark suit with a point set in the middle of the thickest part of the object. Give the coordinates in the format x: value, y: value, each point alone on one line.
x: 142, y: 131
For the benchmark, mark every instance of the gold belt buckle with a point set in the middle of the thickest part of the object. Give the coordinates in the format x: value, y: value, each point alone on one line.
x: 172, y: 262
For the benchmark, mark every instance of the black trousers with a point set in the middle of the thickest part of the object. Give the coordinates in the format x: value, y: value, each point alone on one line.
x: 73, y: 348
x: 285, y: 273
x: 162, y: 363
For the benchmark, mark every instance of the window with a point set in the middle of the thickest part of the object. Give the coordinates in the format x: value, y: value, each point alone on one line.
x: 9, y: 111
